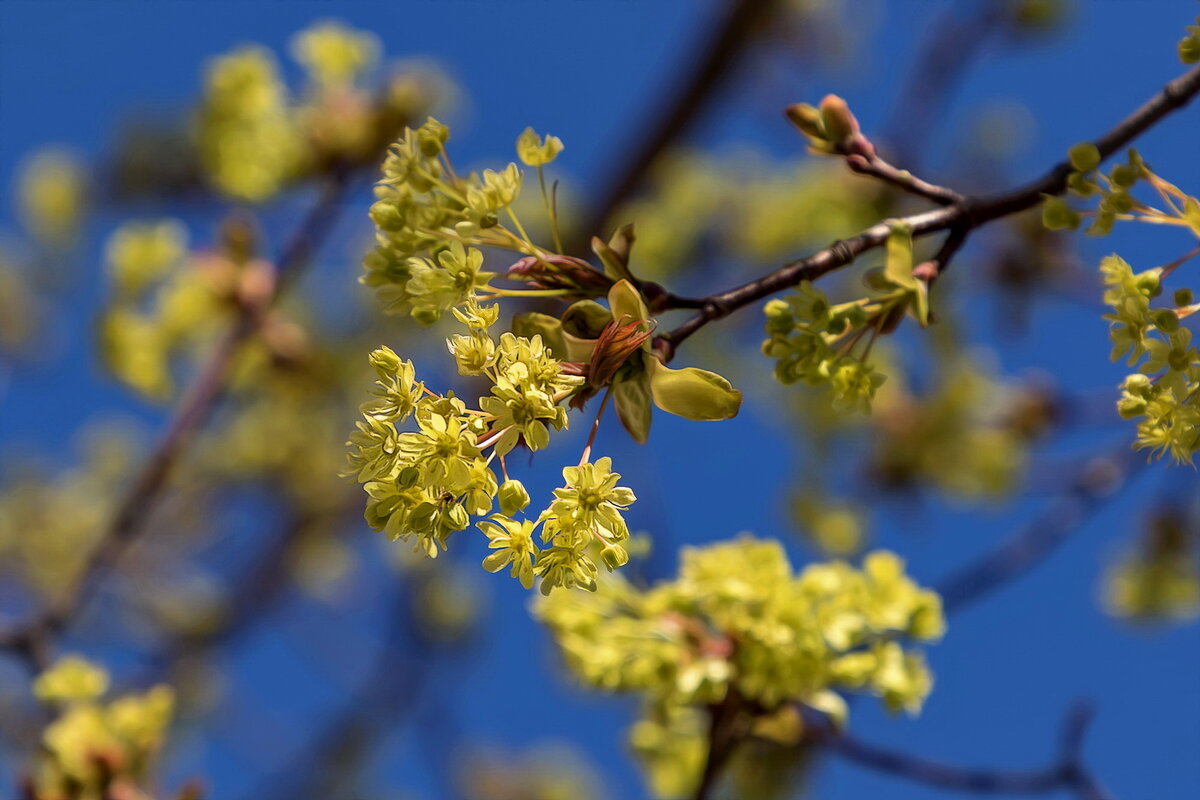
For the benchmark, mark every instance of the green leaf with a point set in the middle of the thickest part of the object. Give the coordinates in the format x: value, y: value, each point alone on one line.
x: 585, y: 319
x: 626, y: 301
x: 621, y: 243
x: 692, y: 393
x: 1191, y: 214
x: 582, y: 324
x: 632, y: 400
x: 899, y: 264
x: 615, y: 255
x: 549, y: 328
x: 920, y: 303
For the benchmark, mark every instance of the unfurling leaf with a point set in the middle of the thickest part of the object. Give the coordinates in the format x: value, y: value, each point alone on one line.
x: 632, y: 400
x: 615, y: 255
x: 692, y: 393
x: 899, y: 264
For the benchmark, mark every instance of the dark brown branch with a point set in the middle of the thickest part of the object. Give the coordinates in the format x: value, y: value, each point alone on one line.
x: 1066, y: 773
x: 728, y: 724
x: 197, y: 403
x: 875, y: 167
x: 678, y: 112
x: 929, y: 271
x: 972, y: 213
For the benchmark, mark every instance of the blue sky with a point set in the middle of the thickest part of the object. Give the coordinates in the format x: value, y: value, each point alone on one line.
x: 589, y: 71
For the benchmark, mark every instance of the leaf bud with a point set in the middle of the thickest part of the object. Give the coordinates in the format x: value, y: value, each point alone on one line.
x: 840, y: 123
x: 807, y: 119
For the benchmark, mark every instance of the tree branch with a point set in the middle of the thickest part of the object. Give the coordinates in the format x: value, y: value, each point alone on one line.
x: 727, y: 728
x: 967, y: 215
x: 875, y: 167
x: 678, y: 111
x: 1067, y: 772
x: 31, y: 640
x: 1097, y: 480
x: 952, y: 41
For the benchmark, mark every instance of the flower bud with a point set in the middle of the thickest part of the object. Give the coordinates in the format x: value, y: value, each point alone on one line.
x: 1137, y: 383
x: 561, y: 272
x: 1084, y: 157
x: 1057, y: 215
x: 614, y: 556
x: 512, y: 497
x: 1123, y: 176
x: 1165, y: 320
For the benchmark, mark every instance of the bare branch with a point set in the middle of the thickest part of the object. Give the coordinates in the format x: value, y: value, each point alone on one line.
x: 198, y: 401
x: 1097, y: 480
x: 1066, y: 773
x: 952, y: 41
x: 679, y: 110
x: 875, y: 167
x: 971, y: 213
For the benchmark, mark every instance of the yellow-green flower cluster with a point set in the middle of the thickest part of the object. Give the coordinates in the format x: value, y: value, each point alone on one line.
x: 550, y: 771
x: 284, y: 426
x: 69, y: 511
x: 1189, y: 46
x: 968, y: 436
x: 162, y: 303
x: 428, y: 483
x: 1162, y: 395
x: 248, y: 142
x: 255, y: 138
x: 737, y: 619
x: 814, y: 342
x: 1160, y: 578
x: 811, y: 341
x: 741, y: 202
x: 1114, y: 190
x: 424, y: 214
x: 334, y: 54
x: 20, y: 308
x: 97, y: 749
x: 51, y: 193
x: 671, y: 744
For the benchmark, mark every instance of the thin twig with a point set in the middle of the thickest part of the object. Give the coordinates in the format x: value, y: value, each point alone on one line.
x: 31, y: 640
x: 672, y: 118
x: 1065, y: 773
x: 875, y: 167
x: 950, y: 44
x: 1097, y: 480
x: 972, y: 213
